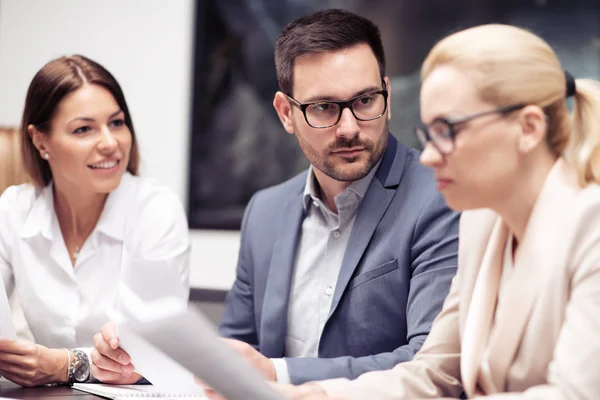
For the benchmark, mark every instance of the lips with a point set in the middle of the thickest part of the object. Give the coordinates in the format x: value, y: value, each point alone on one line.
x: 352, y: 150
x: 442, y: 183
x: 106, y: 164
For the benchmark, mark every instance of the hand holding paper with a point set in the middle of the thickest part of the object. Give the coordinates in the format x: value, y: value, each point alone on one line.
x: 110, y: 363
x: 161, y: 337
x: 263, y: 364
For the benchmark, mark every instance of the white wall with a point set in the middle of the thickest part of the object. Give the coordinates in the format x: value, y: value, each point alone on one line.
x: 148, y: 46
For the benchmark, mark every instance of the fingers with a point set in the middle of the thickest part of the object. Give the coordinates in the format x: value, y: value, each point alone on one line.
x: 13, y: 370
x: 212, y: 395
x: 109, y: 334
x: 105, y: 349
x: 237, y: 345
x: 114, y: 377
x: 110, y: 363
x: 107, y: 364
x: 23, y: 376
x: 17, y: 379
x: 201, y: 383
x: 302, y: 392
x: 17, y: 360
x: 10, y: 346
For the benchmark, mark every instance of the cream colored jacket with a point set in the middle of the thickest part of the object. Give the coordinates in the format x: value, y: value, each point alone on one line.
x: 545, y: 341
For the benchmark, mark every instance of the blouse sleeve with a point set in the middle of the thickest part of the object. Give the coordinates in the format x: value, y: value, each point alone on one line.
x: 8, y: 203
x: 159, y: 247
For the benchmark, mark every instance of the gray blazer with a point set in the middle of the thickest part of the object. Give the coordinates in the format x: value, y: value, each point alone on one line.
x: 396, y: 272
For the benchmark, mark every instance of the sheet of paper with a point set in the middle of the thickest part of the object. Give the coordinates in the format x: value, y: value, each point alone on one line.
x: 128, y: 391
x: 152, y: 333
x: 153, y: 364
x: 7, y: 329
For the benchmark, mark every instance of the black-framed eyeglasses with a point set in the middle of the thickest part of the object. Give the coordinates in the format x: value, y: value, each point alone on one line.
x: 325, y: 114
x: 441, y: 132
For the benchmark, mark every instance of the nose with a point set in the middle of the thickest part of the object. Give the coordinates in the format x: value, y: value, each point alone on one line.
x: 347, y: 125
x: 108, y: 142
x: 431, y: 157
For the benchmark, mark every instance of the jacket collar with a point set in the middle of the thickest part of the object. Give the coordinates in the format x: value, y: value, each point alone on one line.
x: 531, y: 265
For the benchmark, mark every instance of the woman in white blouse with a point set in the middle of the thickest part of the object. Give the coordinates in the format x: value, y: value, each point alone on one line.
x: 86, y: 224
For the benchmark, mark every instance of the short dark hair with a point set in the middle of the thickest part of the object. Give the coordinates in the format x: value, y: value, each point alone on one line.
x: 324, y: 31
x: 49, y: 86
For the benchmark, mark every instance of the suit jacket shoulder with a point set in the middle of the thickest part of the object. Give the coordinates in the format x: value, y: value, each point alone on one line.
x: 270, y: 200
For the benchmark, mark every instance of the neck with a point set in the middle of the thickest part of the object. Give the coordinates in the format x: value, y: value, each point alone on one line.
x: 516, y: 207
x: 329, y: 188
x: 77, y: 212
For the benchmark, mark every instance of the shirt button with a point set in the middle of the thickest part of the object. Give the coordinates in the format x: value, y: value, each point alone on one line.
x: 336, y: 234
x: 329, y: 291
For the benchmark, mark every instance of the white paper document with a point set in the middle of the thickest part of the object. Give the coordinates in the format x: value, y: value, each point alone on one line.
x: 121, y: 392
x: 169, y: 345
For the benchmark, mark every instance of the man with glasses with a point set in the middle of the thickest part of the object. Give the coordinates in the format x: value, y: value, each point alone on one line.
x: 343, y: 268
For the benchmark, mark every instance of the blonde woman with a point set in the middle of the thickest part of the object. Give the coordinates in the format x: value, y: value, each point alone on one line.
x: 522, y: 319
x: 85, y: 224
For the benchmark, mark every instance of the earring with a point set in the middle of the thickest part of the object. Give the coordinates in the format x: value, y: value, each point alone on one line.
x: 46, y: 156
x: 522, y: 146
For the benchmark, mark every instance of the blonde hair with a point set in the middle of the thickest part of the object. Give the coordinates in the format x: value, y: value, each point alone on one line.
x: 12, y: 171
x: 514, y: 66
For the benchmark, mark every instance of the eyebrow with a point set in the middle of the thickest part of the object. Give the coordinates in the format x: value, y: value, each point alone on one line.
x: 332, y: 98
x: 88, y: 119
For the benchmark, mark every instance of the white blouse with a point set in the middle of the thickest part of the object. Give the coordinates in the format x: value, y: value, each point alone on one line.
x: 141, y: 239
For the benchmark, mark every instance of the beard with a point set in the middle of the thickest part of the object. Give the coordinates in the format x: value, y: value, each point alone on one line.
x: 346, y: 169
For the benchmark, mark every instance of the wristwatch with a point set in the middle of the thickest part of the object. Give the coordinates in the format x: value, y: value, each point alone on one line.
x: 79, y: 368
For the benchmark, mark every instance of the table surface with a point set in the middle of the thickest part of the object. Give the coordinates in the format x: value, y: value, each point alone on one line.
x: 13, y: 391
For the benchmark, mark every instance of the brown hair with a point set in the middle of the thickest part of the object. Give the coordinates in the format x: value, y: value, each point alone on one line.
x: 49, y: 86
x: 321, y: 32
x: 12, y: 171
x: 514, y: 66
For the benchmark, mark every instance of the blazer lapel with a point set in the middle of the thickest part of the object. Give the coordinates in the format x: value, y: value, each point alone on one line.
x: 481, y: 309
x: 274, y: 313
x: 539, y: 251
x: 372, y: 208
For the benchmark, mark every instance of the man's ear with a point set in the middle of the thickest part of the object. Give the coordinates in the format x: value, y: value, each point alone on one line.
x: 534, y: 125
x: 388, y: 86
x: 38, y: 138
x: 284, y: 111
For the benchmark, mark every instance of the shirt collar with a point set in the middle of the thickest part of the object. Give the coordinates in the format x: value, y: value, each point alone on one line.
x: 116, y: 209
x: 42, y: 217
x: 359, y: 187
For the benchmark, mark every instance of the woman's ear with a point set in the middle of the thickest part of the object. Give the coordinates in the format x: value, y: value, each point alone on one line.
x: 38, y: 138
x: 534, y: 125
x: 284, y: 111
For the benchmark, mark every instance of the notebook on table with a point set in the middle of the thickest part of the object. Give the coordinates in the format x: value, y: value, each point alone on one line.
x: 126, y: 392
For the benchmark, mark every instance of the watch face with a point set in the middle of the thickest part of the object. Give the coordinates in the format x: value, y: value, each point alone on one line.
x: 81, y: 369
x: 81, y: 372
